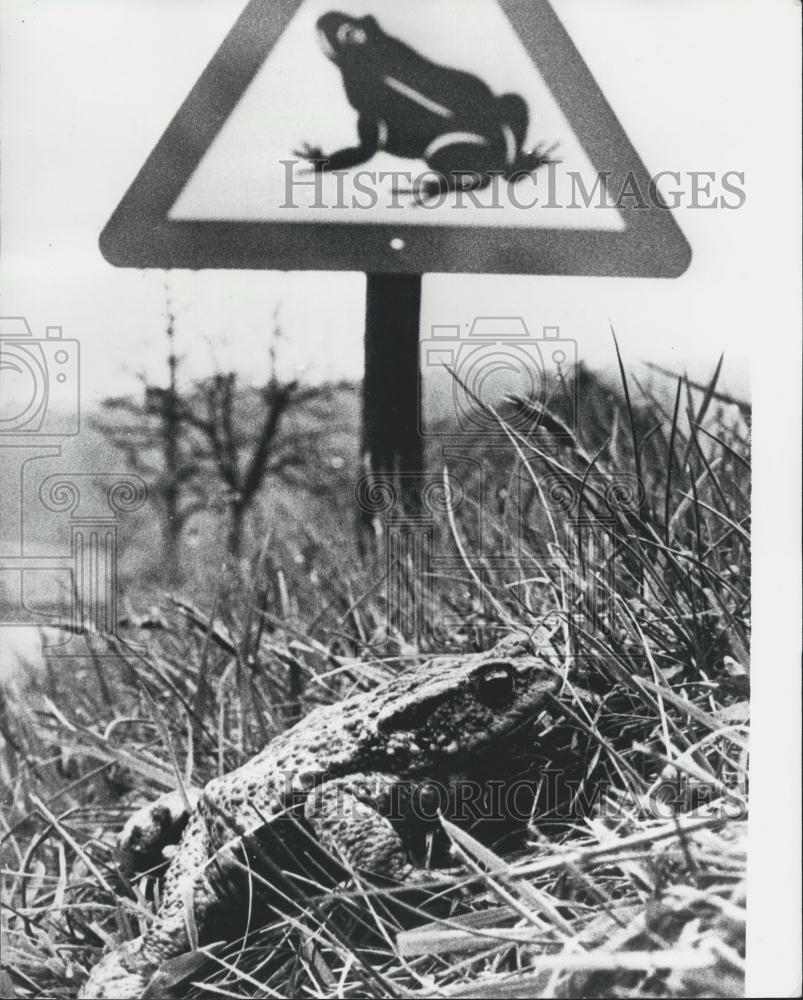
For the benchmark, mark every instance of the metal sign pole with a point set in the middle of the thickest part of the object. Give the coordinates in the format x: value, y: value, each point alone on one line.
x: 391, y: 440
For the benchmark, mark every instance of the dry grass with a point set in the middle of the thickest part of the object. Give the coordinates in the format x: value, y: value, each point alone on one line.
x: 629, y: 882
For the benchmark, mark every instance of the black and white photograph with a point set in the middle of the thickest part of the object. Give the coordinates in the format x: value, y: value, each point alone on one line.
x: 400, y: 487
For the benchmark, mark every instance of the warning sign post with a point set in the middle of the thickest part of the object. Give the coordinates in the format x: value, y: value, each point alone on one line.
x: 433, y: 136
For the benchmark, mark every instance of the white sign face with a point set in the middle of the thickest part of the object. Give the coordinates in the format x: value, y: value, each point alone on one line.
x: 298, y: 98
x: 388, y: 137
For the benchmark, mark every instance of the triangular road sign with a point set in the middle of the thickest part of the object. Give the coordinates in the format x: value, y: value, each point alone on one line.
x: 436, y: 128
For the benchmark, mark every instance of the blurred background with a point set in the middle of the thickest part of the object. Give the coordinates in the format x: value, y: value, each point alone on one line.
x: 88, y: 88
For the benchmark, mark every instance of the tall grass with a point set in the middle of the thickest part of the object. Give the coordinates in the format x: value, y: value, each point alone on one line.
x: 622, y: 547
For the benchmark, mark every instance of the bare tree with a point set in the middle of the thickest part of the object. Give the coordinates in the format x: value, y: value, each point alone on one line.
x: 243, y: 457
x: 152, y: 436
x: 187, y: 442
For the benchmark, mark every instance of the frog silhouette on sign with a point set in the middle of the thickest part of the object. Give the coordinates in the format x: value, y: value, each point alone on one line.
x: 412, y: 107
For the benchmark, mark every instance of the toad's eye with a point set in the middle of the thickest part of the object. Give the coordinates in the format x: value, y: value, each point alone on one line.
x: 347, y: 34
x: 495, y: 686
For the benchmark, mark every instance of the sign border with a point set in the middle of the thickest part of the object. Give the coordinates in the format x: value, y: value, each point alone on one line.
x: 140, y: 234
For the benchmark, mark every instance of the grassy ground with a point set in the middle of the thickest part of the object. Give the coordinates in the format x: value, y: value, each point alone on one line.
x: 630, y: 877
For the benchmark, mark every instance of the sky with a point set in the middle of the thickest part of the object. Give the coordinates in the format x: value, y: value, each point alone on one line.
x: 89, y: 86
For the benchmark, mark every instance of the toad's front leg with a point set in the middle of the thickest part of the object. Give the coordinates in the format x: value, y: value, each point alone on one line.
x: 125, y: 972
x: 152, y: 833
x: 360, y: 818
x: 207, y: 860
